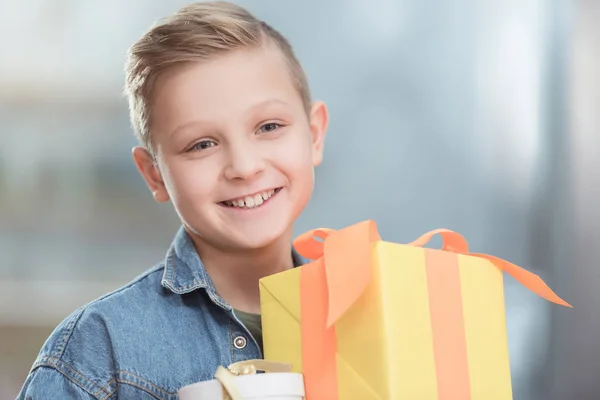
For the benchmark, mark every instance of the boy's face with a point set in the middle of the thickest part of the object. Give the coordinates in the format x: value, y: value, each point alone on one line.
x: 235, y: 148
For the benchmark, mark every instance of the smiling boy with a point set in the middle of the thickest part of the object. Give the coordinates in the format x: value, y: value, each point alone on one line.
x: 230, y: 137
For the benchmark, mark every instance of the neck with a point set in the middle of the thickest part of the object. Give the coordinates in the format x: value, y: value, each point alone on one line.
x: 236, y: 274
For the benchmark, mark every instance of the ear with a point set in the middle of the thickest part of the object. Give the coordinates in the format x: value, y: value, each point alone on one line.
x: 151, y: 174
x: 319, y: 119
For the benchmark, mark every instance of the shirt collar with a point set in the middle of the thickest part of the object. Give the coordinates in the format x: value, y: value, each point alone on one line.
x: 184, y: 271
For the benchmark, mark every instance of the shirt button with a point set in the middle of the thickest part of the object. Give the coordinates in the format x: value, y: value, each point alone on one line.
x: 239, y: 342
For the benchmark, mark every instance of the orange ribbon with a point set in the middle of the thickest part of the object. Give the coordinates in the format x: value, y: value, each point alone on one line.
x: 340, y: 273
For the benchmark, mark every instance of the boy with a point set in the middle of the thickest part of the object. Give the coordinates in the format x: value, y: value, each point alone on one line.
x: 229, y: 136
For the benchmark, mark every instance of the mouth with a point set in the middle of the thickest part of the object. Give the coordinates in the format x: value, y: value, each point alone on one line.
x: 251, y: 201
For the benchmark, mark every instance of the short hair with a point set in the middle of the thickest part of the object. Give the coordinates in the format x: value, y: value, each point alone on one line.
x: 197, y: 32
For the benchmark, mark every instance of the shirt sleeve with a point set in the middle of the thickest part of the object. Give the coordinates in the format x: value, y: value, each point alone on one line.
x: 46, y: 383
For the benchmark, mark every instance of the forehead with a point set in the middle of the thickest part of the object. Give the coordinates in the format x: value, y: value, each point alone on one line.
x: 222, y: 88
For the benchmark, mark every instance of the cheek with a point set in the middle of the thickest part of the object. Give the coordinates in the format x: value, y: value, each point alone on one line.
x: 296, y: 161
x: 296, y: 150
x: 189, y: 183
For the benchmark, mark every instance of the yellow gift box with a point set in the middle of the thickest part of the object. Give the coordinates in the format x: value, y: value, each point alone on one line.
x: 369, y: 319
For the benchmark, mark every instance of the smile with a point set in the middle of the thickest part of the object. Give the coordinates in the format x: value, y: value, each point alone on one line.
x: 251, y: 201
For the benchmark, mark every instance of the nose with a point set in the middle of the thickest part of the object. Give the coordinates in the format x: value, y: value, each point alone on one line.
x: 244, y: 162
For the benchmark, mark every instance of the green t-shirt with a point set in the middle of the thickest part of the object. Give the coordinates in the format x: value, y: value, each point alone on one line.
x: 253, y: 323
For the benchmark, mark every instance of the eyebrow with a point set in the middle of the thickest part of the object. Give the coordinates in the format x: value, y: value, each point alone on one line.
x: 185, y: 126
x: 268, y: 103
x: 199, y: 122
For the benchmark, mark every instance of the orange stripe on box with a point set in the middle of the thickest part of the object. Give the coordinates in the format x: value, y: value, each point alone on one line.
x: 319, y: 343
x: 447, y: 325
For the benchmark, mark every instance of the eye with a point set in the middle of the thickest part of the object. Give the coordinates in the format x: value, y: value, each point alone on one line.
x: 270, y: 127
x: 203, y: 145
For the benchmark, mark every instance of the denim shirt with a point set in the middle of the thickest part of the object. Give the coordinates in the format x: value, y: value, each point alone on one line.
x: 166, y: 329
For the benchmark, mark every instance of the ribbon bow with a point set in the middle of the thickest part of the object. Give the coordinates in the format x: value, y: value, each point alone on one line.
x: 227, y: 375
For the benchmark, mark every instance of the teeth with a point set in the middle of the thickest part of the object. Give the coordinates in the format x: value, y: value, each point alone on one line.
x: 251, y: 201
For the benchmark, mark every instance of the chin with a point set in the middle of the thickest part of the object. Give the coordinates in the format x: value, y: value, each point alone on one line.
x: 241, y: 230
x: 258, y: 241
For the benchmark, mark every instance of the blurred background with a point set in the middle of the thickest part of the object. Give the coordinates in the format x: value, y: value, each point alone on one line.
x: 477, y: 115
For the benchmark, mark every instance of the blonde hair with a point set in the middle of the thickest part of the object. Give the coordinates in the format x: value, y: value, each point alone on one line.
x: 196, y: 32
